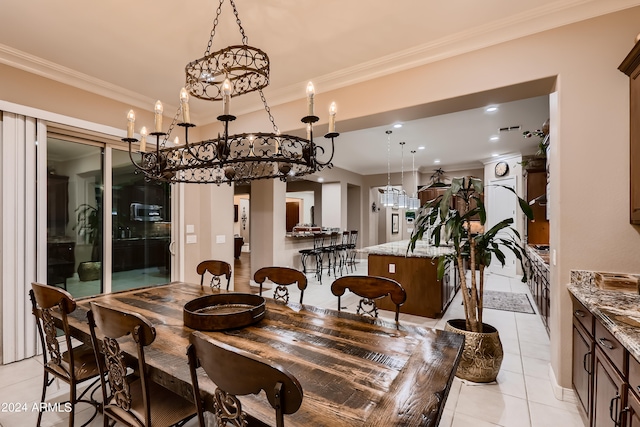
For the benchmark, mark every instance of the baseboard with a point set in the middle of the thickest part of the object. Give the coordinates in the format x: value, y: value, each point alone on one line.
x: 561, y: 393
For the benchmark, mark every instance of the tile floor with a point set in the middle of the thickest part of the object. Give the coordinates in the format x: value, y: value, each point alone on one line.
x: 521, y: 397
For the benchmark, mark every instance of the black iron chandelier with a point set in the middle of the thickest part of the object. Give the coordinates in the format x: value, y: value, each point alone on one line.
x: 219, y: 76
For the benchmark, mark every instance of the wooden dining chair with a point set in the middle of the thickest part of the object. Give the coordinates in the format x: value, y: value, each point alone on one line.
x: 73, y: 365
x: 217, y: 269
x: 134, y: 399
x: 237, y: 372
x: 282, y: 277
x: 370, y: 288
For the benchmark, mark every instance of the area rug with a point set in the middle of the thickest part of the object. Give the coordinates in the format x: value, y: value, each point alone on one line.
x: 508, y: 301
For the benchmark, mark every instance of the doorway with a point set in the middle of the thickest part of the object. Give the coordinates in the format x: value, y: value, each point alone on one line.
x: 502, y: 205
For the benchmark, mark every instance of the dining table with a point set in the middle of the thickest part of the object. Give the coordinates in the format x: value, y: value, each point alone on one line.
x: 354, y: 371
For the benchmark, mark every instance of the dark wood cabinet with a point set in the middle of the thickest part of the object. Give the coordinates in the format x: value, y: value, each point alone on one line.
x: 426, y: 295
x: 131, y: 254
x: 631, y: 412
x: 538, y: 281
x: 57, y: 204
x: 538, y: 228
x: 631, y: 67
x: 606, y: 378
x: 608, y: 392
x: 582, y: 366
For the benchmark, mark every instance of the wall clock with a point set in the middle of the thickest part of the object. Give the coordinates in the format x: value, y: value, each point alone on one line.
x: 502, y: 168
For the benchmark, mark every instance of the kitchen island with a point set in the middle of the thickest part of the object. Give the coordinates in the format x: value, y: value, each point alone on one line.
x: 417, y: 272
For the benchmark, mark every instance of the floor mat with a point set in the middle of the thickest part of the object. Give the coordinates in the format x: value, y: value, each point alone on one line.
x: 508, y: 301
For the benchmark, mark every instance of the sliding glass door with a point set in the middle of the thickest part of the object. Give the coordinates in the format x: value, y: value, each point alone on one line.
x: 74, y: 213
x: 138, y: 231
x: 141, y: 227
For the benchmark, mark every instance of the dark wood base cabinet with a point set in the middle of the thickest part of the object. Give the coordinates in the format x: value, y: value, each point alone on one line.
x: 426, y: 295
x: 608, y: 391
x: 582, y: 366
x: 606, y: 378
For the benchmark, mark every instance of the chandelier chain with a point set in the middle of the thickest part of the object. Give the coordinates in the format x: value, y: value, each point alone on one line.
x: 268, y: 110
x: 213, y: 30
x: 235, y: 12
x: 171, y: 126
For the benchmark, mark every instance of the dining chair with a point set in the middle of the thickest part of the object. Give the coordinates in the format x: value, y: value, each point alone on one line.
x: 237, y: 372
x: 217, y: 269
x: 282, y: 277
x: 370, y: 288
x: 134, y: 399
x: 74, y: 365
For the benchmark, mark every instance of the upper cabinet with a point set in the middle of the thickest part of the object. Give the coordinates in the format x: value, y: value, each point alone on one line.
x: 631, y: 67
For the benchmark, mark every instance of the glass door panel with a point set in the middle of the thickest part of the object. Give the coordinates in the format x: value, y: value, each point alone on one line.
x: 74, y: 213
x: 141, y: 221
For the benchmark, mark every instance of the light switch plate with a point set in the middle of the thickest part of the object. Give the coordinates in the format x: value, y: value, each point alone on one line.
x: 220, y: 238
x: 192, y: 238
x: 392, y: 268
x: 191, y: 228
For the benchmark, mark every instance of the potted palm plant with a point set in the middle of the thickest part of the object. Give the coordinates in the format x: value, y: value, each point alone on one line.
x: 87, y: 224
x: 482, y: 355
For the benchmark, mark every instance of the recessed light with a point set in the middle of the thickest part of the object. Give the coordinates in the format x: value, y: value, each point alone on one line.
x: 421, y: 147
x: 436, y: 161
x: 320, y: 179
x: 397, y: 125
x: 494, y: 138
x: 491, y: 109
x: 495, y: 155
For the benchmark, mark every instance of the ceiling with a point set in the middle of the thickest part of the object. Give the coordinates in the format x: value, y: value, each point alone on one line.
x: 135, y: 52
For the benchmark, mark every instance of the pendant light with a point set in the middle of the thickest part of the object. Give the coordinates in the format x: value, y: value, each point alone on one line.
x: 403, y: 198
x: 414, y: 202
x: 389, y: 196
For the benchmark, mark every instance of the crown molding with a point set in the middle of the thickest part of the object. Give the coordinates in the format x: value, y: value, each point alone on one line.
x: 524, y: 24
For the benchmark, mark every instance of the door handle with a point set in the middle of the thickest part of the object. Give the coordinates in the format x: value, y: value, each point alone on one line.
x: 171, y: 246
x: 614, y: 400
x: 606, y: 343
x: 584, y: 362
x: 579, y: 313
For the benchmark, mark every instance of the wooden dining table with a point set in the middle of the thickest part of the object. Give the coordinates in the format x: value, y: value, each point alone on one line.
x: 353, y: 371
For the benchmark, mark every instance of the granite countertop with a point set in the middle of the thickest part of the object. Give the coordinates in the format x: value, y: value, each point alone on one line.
x: 618, y: 311
x: 399, y: 248
x: 541, y: 255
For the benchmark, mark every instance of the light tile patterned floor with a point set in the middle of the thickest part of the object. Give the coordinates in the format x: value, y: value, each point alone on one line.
x: 521, y: 397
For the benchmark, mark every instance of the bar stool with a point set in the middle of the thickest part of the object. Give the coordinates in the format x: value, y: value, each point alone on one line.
x: 330, y: 250
x: 351, y: 251
x: 341, y: 250
x: 316, y: 253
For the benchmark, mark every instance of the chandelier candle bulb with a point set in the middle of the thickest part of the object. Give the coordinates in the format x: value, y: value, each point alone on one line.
x: 158, y: 116
x: 131, y: 120
x: 176, y: 141
x: 226, y: 98
x: 143, y: 139
x: 310, y: 94
x: 332, y: 117
x: 184, y: 101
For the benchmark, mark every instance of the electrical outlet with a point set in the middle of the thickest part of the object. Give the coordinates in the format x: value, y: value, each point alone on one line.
x: 392, y: 268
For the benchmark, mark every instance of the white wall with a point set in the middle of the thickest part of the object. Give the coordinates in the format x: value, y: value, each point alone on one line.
x: 332, y: 205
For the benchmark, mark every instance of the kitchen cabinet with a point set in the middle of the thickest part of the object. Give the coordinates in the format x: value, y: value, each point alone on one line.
x: 538, y: 228
x: 538, y: 281
x: 631, y: 67
x: 57, y: 204
x: 608, y: 391
x: 604, y: 374
x: 426, y: 295
x: 427, y: 194
x: 136, y: 253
